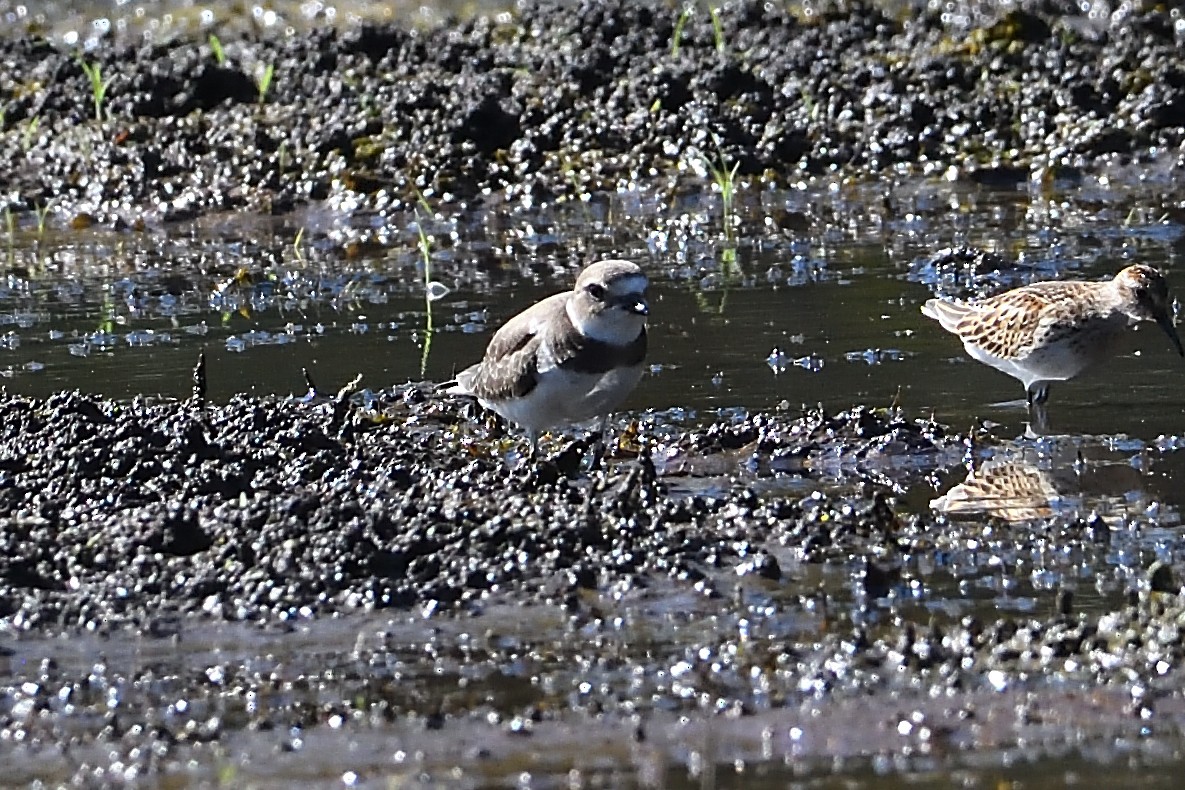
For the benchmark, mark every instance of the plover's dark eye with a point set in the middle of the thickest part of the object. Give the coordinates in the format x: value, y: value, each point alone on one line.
x: 596, y: 291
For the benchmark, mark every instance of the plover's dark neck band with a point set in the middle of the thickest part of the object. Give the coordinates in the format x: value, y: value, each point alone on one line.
x: 580, y: 354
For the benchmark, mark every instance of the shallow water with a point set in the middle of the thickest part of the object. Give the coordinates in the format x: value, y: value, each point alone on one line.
x: 820, y: 306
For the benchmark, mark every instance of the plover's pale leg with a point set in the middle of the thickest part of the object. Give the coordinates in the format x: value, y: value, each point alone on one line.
x: 600, y: 442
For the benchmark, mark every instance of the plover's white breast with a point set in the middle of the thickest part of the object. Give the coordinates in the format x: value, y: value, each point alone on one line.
x: 563, y: 397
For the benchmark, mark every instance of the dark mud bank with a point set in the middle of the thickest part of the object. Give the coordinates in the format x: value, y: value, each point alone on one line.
x: 560, y: 98
x: 134, y: 513
x: 677, y: 632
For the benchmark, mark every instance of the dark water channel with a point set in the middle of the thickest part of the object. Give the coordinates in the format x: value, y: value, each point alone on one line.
x: 820, y: 305
x: 812, y: 297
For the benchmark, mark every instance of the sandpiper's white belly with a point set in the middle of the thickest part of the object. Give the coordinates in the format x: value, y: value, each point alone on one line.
x: 1061, y: 358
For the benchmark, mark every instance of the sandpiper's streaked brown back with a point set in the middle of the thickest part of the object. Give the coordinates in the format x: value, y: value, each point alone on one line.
x: 1053, y: 331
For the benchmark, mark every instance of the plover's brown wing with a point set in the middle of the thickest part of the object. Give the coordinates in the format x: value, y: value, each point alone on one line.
x: 1012, y: 324
x: 510, y: 368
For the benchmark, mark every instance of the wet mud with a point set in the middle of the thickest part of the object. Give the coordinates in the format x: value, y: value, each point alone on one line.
x: 559, y: 99
x: 242, y: 581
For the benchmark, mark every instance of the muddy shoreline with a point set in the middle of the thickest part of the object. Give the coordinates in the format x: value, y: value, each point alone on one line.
x: 558, y: 100
x: 399, y: 528
x: 368, y: 586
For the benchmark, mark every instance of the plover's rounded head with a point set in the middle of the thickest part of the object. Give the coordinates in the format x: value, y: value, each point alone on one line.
x: 609, y: 301
x: 1145, y: 294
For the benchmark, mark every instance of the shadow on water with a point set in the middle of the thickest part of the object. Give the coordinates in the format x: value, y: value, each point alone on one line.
x: 820, y: 307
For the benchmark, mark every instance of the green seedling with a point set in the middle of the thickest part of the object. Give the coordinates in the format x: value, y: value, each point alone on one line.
x: 297, y: 249
x: 30, y: 130
x: 425, y: 245
x: 265, y: 81
x: 98, y: 85
x: 723, y: 174
x: 107, y: 316
x: 808, y: 102
x: 717, y: 28
x: 432, y: 289
x: 42, y: 215
x: 10, y: 226
x: 725, y: 178
x: 680, y: 23
x: 421, y: 201
x: 216, y: 49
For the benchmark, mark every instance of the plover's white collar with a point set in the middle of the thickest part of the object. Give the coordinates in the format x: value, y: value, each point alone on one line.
x: 570, y: 358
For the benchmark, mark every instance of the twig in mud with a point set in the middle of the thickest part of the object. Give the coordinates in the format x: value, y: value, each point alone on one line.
x: 341, y: 403
x: 199, y: 381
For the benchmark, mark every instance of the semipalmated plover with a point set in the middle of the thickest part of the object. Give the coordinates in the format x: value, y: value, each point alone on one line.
x: 1052, y: 331
x: 570, y: 358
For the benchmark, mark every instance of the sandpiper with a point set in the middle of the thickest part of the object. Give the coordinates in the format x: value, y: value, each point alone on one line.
x: 570, y: 358
x: 1052, y: 331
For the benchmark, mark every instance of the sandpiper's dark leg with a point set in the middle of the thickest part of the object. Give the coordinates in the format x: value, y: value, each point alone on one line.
x: 1040, y: 421
x: 1039, y: 394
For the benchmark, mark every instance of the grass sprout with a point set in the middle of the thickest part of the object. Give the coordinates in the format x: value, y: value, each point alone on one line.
x: 10, y: 227
x: 264, y: 82
x: 724, y: 177
x: 425, y: 245
x: 723, y: 173
x: 717, y: 28
x: 297, y: 247
x: 42, y: 213
x: 98, y: 85
x: 433, y: 290
x: 680, y: 23
x: 29, y: 131
x: 216, y: 49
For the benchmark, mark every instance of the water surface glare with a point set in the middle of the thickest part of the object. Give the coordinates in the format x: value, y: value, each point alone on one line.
x: 814, y: 300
